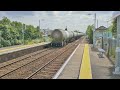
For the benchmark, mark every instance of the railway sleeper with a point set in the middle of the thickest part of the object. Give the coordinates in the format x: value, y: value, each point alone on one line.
x: 48, y: 72
x: 52, y: 66
x: 44, y: 74
x: 55, y: 65
x: 58, y: 63
x: 49, y: 69
x: 42, y: 77
x: 20, y: 58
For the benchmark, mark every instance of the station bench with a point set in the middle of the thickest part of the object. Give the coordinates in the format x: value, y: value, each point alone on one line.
x: 101, y: 51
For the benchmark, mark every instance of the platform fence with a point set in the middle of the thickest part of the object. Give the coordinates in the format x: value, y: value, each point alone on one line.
x: 109, y: 45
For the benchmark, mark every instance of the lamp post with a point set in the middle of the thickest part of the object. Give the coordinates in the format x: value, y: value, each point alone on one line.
x: 97, y: 23
x: 39, y: 25
x: 94, y: 28
x: 41, y: 28
x: 23, y: 31
x: 0, y: 39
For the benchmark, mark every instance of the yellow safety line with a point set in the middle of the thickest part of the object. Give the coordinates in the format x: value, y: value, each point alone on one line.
x: 85, y: 70
x: 18, y: 47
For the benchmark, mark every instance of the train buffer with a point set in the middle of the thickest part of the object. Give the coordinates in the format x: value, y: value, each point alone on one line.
x: 101, y: 51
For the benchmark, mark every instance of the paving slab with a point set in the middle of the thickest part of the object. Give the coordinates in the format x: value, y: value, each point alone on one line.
x: 71, y: 70
x: 102, y: 68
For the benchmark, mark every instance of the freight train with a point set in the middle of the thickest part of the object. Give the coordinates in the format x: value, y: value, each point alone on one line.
x: 62, y: 37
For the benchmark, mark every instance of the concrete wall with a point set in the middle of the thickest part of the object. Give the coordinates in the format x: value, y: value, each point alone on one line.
x: 13, y: 55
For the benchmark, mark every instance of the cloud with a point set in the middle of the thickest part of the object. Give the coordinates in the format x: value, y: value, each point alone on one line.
x: 49, y: 13
x: 2, y: 13
x: 69, y: 12
x: 74, y: 20
x: 104, y: 12
x: 56, y: 13
x: 81, y: 12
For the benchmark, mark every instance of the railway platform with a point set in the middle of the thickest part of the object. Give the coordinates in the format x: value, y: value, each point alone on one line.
x: 70, y: 69
x: 19, y: 47
x: 12, y: 52
x: 102, y: 68
x: 85, y: 63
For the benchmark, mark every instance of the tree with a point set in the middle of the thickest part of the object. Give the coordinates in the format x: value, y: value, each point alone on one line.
x: 5, y: 21
x: 11, y: 32
x: 114, y: 28
x: 89, y: 33
x: 39, y: 32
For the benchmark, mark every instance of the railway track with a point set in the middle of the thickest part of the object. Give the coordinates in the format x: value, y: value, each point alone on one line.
x: 19, y: 59
x: 9, y: 68
x: 40, y: 62
x: 51, y: 67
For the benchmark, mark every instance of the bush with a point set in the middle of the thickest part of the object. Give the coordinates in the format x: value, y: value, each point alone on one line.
x: 12, y: 34
x: 1, y: 45
x: 12, y: 42
x: 19, y: 42
x: 5, y: 43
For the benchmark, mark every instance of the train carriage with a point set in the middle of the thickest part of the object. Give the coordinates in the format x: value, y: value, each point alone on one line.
x: 62, y: 37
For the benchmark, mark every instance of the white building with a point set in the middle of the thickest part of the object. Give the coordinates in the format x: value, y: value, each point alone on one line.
x: 46, y: 32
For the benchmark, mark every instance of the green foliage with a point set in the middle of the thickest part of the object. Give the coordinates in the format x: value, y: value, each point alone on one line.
x: 5, y: 21
x: 112, y: 52
x: 114, y: 28
x: 89, y: 33
x: 11, y: 33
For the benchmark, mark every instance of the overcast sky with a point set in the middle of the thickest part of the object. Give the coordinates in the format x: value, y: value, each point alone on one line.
x: 74, y: 20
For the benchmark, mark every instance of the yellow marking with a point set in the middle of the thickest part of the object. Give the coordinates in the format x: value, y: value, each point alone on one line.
x: 19, y: 47
x: 85, y: 71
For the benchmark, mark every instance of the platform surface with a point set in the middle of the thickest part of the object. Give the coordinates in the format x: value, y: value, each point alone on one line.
x: 93, y: 68
x: 102, y: 68
x: 5, y: 50
x: 71, y: 71
x: 85, y: 69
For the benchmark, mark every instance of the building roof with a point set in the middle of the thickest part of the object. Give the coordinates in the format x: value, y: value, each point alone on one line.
x: 101, y: 28
x: 115, y: 14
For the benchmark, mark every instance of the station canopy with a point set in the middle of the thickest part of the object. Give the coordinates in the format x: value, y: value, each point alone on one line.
x: 115, y: 14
